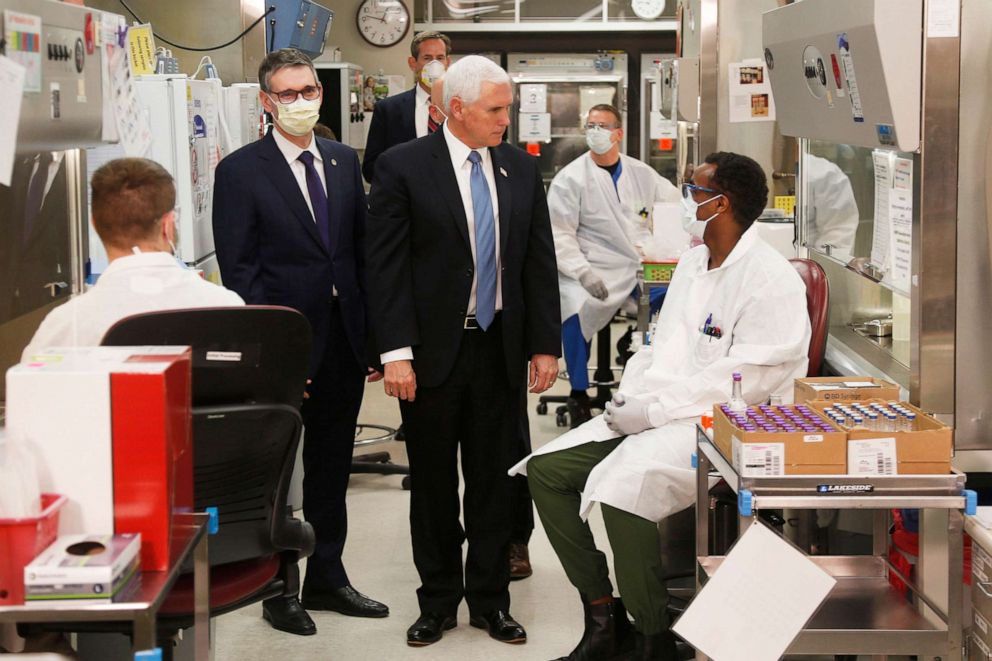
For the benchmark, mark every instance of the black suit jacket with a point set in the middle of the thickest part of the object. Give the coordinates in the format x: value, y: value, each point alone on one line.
x: 32, y: 257
x: 268, y: 246
x: 420, y: 259
x: 392, y: 124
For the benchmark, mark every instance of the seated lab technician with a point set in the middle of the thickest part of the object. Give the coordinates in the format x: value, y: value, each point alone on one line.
x: 734, y: 305
x: 134, y: 214
x: 601, y: 205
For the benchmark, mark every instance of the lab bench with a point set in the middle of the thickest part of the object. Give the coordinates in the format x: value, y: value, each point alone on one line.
x: 140, y: 601
x: 863, y: 613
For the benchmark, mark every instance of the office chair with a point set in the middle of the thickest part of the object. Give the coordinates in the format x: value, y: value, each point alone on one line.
x: 249, y: 372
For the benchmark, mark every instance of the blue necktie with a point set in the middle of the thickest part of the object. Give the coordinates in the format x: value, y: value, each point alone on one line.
x: 485, y: 245
x: 318, y: 199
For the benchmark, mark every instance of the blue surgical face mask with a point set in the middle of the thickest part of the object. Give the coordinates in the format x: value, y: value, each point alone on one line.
x: 690, y: 223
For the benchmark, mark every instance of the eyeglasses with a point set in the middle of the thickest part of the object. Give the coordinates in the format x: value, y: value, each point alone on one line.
x: 309, y: 93
x: 593, y: 125
x: 688, y: 189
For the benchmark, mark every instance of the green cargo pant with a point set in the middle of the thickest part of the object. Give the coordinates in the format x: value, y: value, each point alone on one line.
x: 556, y: 481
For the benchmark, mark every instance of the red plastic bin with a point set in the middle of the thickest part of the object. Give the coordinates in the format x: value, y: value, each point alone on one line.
x: 21, y: 540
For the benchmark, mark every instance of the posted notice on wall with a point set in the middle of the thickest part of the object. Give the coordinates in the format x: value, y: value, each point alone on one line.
x: 534, y: 127
x: 141, y: 46
x: 22, y: 35
x: 533, y: 98
x: 750, y: 92
x: 892, y: 234
x: 12, y: 81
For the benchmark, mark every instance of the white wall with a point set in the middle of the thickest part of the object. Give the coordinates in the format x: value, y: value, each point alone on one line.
x: 344, y: 35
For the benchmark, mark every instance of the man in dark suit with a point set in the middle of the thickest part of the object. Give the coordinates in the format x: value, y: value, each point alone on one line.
x: 404, y: 117
x: 462, y: 293
x: 289, y: 225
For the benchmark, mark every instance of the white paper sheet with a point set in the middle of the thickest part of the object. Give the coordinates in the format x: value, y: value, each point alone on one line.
x: 131, y: 119
x: 880, y: 228
x: 900, y: 238
x: 533, y: 98
x: 534, y: 127
x: 751, y: 610
x: 750, y: 92
x: 12, y: 82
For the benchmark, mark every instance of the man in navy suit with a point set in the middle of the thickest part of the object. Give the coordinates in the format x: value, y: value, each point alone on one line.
x: 289, y: 225
x: 401, y: 118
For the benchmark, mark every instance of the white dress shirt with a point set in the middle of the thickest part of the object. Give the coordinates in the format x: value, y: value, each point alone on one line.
x: 145, y: 282
x: 459, y: 153
x: 420, y: 107
x: 292, y: 155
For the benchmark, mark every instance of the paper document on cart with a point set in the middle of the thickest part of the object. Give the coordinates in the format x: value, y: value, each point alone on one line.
x: 751, y: 609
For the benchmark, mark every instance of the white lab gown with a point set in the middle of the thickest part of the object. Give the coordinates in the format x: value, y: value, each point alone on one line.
x: 596, y: 225
x: 831, y: 209
x: 759, y: 301
x: 146, y: 282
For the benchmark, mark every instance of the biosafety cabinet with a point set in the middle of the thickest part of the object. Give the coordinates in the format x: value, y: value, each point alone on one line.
x: 890, y: 100
x: 552, y: 94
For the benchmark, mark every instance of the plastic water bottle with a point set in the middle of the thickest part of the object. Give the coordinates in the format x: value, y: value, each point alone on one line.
x: 737, y: 402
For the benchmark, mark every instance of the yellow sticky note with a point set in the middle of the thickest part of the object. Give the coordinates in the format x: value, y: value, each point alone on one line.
x: 141, y: 49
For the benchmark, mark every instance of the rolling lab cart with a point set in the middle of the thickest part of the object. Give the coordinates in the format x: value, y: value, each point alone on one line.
x: 863, y: 614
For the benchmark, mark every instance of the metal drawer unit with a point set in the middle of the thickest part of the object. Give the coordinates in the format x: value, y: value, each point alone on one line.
x: 863, y: 614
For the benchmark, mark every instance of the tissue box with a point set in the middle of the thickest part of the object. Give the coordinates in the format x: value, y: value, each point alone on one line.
x: 82, y: 568
x: 111, y: 429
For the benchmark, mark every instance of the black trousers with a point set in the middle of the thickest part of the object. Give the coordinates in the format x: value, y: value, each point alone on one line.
x: 329, y: 417
x: 476, y: 410
x: 523, y: 506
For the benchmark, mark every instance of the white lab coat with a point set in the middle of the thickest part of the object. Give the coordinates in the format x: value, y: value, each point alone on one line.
x: 759, y: 301
x: 145, y: 282
x: 601, y: 227
x: 830, y: 207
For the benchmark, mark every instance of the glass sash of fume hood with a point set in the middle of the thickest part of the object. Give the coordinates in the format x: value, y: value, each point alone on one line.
x: 568, y: 100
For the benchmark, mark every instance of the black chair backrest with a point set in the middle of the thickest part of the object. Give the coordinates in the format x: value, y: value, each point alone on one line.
x: 257, y: 353
x: 249, y: 371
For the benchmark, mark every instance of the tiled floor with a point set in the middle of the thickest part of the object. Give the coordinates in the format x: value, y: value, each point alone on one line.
x: 379, y: 562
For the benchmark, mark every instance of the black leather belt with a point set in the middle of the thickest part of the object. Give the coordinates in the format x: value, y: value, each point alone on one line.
x: 471, y: 323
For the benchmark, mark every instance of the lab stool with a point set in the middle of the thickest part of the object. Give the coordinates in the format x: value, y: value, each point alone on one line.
x: 379, y: 463
x: 572, y: 414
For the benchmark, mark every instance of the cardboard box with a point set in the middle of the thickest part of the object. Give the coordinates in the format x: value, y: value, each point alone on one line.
x: 111, y: 430
x: 926, y: 451
x: 780, y: 453
x: 82, y: 568
x: 835, y: 389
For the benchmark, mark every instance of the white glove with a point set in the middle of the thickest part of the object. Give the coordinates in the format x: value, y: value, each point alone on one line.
x: 594, y: 285
x: 625, y: 416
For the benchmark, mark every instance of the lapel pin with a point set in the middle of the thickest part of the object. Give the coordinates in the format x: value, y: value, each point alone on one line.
x: 502, y: 171
x: 334, y: 162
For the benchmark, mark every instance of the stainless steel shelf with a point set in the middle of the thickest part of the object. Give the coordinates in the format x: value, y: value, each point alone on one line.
x: 863, y: 613
x: 862, y: 607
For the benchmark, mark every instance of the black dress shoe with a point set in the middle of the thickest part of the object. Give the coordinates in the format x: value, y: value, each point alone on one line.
x: 346, y: 600
x: 286, y: 614
x: 429, y: 628
x: 501, y: 626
